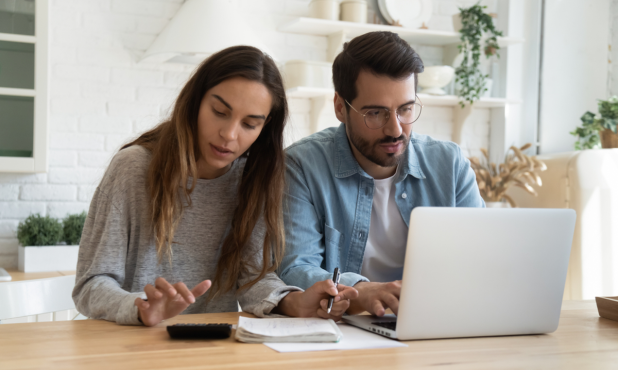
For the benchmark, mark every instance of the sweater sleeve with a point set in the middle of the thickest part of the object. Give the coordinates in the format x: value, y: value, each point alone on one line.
x: 263, y: 296
x: 101, y: 265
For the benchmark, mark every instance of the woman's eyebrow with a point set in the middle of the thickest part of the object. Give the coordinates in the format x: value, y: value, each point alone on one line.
x: 258, y: 116
x: 223, y: 101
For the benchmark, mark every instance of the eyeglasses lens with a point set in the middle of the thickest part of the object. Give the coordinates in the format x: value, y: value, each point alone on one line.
x: 376, y: 118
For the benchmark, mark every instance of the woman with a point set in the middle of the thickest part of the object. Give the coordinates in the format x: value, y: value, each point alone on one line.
x: 197, y: 200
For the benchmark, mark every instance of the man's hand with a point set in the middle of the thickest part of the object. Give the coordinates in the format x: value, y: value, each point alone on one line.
x: 375, y: 298
x: 165, y: 300
x: 313, y: 302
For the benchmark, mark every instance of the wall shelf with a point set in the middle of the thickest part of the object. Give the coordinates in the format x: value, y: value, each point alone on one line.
x: 452, y: 100
x: 323, y: 27
x: 429, y: 100
x: 321, y: 99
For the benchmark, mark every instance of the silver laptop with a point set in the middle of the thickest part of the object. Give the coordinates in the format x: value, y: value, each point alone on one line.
x: 472, y: 272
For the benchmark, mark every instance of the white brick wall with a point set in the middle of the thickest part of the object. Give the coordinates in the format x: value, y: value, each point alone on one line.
x: 101, y: 96
x: 613, y: 51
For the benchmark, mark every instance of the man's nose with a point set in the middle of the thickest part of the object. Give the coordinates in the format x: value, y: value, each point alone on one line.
x: 393, y: 126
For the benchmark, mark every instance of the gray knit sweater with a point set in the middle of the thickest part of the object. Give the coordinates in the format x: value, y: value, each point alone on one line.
x: 117, y: 254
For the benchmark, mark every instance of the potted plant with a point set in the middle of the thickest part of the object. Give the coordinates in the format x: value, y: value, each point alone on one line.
x: 599, y: 129
x: 72, y: 226
x: 473, y: 23
x: 42, y: 243
x: 518, y: 170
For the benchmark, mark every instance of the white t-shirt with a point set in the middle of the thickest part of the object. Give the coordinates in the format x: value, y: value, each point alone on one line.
x: 386, y: 242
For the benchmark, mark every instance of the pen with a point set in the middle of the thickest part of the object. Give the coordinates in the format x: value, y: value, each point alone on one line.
x: 336, y: 277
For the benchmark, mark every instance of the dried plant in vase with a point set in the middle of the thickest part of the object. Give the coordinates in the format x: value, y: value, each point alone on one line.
x: 518, y: 170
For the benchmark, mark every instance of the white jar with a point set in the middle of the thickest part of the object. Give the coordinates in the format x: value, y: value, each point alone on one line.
x: 324, y: 9
x: 354, y: 11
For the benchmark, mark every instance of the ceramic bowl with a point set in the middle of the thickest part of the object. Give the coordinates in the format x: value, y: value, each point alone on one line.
x: 433, y: 79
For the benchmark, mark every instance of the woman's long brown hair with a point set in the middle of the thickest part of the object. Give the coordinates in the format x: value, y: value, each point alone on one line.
x: 175, y: 150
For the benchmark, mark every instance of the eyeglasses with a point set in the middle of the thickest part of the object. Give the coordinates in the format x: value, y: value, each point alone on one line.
x: 376, y: 118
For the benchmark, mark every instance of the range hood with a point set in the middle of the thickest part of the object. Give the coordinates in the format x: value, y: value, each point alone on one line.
x: 199, y: 29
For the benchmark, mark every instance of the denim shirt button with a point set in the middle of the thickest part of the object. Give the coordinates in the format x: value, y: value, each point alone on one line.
x: 404, y: 195
x: 360, y: 235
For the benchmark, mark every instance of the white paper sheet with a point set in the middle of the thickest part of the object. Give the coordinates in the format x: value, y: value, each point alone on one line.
x: 353, y: 338
x: 286, y: 327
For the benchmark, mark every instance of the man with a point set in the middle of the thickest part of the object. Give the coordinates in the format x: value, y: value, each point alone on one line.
x: 351, y: 189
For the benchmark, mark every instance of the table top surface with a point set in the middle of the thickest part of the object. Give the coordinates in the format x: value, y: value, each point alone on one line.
x: 583, y: 341
x: 21, y: 276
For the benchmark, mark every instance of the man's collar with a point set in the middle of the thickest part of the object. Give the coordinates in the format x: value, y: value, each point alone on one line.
x: 346, y: 165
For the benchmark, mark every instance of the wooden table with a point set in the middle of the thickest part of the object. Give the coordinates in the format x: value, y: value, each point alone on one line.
x: 582, y: 341
x: 21, y: 276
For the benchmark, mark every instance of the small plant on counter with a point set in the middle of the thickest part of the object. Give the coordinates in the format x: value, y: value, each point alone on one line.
x: 518, y: 170
x: 475, y: 22
x: 73, y: 225
x: 37, y: 230
x: 599, y: 130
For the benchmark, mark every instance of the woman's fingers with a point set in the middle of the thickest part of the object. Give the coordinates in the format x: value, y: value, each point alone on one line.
x: 322, y: 314
x: 182, y: 289
x: 165, y: 287
x: 141, y: 304
x: 152, y: 293
x: 201, y: 288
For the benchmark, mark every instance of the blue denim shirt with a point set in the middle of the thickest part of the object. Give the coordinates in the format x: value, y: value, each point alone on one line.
x: 328, y: 199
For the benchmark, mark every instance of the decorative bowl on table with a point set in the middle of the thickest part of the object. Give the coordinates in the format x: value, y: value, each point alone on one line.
x: 434, y: 78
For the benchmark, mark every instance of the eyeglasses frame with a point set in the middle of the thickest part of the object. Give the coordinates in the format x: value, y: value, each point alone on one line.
x: 389, y: 113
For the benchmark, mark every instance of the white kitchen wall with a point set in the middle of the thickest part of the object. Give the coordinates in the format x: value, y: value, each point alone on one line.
x: 101, y: 96
x: 612, y: 84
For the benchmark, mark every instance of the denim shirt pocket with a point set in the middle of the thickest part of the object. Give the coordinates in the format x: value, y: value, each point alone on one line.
x: 332, y: 242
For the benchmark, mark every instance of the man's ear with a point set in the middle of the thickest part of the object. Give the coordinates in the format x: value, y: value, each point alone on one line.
x: 340, y: 108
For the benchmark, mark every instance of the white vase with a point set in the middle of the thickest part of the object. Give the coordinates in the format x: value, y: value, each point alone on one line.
x: 497, y: 205
x: 47, y: 258
x: 457, y: 25
x: 324, y: 9
x: 354, y: 11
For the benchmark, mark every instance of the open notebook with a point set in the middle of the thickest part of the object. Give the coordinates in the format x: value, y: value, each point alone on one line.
x: 281, y: 330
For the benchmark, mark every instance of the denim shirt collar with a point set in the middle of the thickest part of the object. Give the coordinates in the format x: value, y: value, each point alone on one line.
x: 346, y: 165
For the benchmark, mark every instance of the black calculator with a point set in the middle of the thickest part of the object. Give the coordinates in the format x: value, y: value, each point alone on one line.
x: 200, y: 331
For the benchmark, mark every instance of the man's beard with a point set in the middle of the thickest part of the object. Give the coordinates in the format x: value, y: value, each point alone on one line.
x: 369, y: 150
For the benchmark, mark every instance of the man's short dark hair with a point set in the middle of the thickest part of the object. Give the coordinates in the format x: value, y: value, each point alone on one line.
x: 381, y: 53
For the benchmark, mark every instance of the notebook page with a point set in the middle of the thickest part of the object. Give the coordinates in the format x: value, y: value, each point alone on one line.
x: 283, y: 327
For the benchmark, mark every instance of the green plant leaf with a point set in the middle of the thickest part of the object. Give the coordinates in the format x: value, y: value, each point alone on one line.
x: 475, y: 23
x: 73, y: 225
x: 39, y: 231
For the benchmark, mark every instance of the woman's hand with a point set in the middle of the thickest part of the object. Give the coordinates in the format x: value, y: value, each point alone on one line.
x: 165, y: 300
x: 313, y: 302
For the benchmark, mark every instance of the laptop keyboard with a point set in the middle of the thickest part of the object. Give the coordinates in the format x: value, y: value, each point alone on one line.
x: 391, y: 325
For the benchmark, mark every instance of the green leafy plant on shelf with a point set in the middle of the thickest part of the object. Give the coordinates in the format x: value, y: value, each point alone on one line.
x: 73, y: 226
x: 598, y: 129
x: 475, y: 23
x: 37, y: 230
